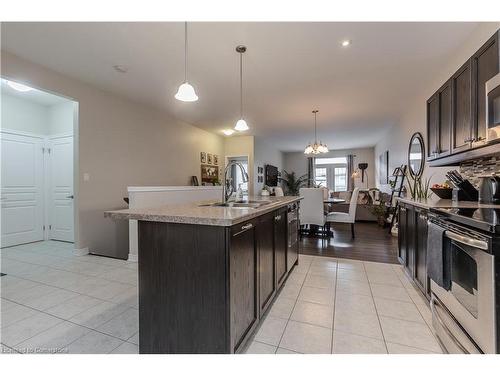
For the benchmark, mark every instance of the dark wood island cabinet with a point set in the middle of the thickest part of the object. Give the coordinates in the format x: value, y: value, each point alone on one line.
x: 204, y: 288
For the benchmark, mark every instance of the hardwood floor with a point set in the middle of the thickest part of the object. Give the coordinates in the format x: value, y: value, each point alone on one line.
x: 372, y: 243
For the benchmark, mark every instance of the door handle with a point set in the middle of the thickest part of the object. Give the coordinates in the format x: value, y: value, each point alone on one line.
x: 244, y: 228
x: 467, y: 240
x: 70, y: 196
x: 277, y: 218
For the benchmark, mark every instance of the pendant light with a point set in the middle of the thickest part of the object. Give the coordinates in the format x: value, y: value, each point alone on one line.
x: 315, y: 148
x: 186, y: 92
x: 241, y: 125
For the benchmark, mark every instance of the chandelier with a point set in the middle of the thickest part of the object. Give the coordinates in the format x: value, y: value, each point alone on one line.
x: 315, y: 148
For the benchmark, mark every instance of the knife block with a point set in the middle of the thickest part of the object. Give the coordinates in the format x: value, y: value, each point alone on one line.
x: 465, y: 191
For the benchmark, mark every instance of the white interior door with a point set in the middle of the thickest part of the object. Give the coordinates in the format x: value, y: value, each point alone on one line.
x: 61, y: 194
x: 21, y: 189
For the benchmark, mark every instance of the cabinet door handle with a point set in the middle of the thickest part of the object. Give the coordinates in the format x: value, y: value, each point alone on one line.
x: 403, y: 209
x: 277, y: 218
x: 423, y: 216
x: 244, y: 228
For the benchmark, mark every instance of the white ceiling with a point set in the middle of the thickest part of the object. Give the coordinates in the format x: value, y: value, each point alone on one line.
x: 34, y: 96
x: 289, y: 69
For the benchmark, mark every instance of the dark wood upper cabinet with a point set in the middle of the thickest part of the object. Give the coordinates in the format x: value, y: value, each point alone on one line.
x: 267, y: 268
x: 280, y: 245
x: 462, y: 105
x: 432, y: 126
x: 445, y: 119
x: 456, y: 113
x: 485, y: 65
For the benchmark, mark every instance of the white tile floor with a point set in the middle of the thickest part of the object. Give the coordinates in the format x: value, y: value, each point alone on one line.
x: 54, y: 302
x: 344, y: 306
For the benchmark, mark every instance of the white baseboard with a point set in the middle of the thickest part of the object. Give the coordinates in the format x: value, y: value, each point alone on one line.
x: 81, y: 252
x: 132, y: 257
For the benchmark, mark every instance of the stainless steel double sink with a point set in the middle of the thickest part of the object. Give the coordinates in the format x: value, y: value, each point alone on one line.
x: 239, y: 204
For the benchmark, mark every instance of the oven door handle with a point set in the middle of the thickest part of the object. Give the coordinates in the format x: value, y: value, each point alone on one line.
x: 466, y: 240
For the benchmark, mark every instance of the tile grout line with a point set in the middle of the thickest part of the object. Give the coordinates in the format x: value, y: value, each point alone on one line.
x: 88, y: 328
x: 376, y: 310
x: 414, y: 303
x: 334, y: 305
x: 66, y: 258
x: 293, y: 308
x: 60, y: 288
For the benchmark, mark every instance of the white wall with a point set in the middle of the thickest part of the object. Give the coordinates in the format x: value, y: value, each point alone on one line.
x: 28, y: 116
x: 23, y: 115
x: 396, y: 139
x: 297, y: 162
x: 120, y: 143
x: 60, y: 118
x: 265, y: 153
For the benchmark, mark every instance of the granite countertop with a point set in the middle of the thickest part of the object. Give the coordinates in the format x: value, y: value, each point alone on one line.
x: 200, y: 213
x: 444, y: 203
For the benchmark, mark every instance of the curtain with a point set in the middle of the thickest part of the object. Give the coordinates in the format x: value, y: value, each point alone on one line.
x: 350, y: 171
x: 310, y: 172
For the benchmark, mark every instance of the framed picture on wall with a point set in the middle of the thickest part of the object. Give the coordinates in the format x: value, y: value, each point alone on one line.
x: 209, y: 175
x: 383, y: 168
x: 209, y: 159
x: 203, y: 157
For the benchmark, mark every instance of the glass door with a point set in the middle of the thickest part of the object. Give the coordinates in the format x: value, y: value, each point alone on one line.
x: 332, y: 176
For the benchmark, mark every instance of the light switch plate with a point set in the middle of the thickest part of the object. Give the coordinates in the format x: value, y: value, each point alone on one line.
x: 86, y: 177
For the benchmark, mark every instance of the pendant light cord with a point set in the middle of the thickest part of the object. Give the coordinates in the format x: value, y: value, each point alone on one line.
x: 185, y: 50
x: 315, y: 132
x: 241, y: 85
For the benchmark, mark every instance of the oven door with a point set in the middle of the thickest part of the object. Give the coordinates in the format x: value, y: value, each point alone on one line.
x: 493, y: 108
x: 471, y: 298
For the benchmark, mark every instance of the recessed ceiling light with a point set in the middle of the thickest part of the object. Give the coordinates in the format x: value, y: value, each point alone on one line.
x: 120, y: 68
x: 346, y: 43
x: 19, y: 86
x: 228, y: 131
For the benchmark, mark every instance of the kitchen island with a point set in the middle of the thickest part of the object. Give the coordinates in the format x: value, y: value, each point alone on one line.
x: 208, y: 274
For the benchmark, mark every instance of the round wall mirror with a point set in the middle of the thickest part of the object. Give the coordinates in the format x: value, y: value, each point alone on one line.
x: 416, y: 155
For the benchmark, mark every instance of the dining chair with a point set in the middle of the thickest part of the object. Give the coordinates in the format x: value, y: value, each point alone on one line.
x: 345, y: 217
x: 311, y: 208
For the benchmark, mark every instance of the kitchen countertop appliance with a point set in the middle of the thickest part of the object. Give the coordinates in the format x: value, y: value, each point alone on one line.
x: 464, y: 299
x: 489, y: 189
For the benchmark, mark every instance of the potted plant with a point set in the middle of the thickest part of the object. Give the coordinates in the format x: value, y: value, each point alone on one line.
x: 380, y: 212
x: 292, y: 183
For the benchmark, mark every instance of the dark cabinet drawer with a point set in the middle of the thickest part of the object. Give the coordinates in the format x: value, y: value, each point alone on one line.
x: 243, y: 281
x: 267, y: 269
x: 280, y: 245
x: 412, y: 240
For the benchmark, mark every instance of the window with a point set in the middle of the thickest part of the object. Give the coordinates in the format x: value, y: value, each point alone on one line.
x: 340, y: 179
x: 331, y: 173
x: 340, y: 160
x: 320, y: 177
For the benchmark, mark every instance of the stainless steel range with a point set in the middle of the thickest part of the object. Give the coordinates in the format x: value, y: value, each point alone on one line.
x: 464, y: 297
